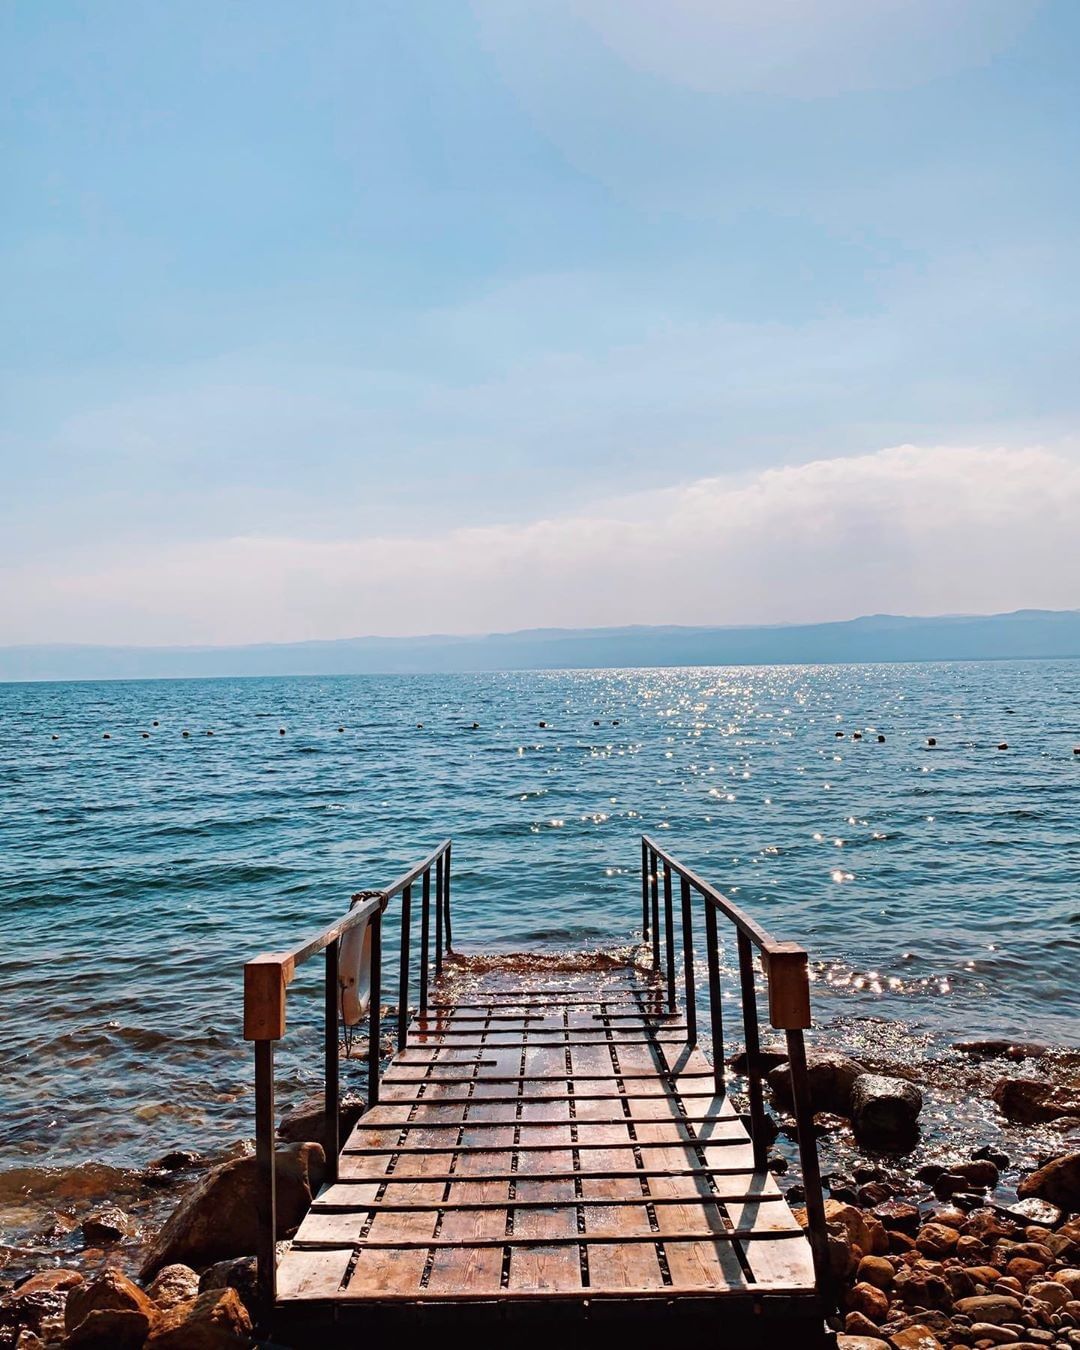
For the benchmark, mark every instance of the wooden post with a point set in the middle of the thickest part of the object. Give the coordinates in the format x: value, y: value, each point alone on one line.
x: 425, y: 937
x: 331, y: 1095
x: 789, y: 986
x: 669, y: 940
x: 654, y: 879
x: 688, y: 961
x: 403, y: 970
x: 808, y: 1159
x: 440, y: 872
x: 446, y: 884
x: 266, y: 1180
x: 716, y: 1012
x: 644, y: 892
x: 375, y: 1011
x: 753, y: 1052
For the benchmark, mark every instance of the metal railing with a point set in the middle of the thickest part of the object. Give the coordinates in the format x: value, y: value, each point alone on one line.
x: 787, y: 979
x: 266, y: 980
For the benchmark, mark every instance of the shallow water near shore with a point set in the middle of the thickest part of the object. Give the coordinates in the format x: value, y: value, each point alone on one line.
x: 936, y: 888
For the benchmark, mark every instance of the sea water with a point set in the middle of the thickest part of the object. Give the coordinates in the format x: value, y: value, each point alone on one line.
x: 936, y: 888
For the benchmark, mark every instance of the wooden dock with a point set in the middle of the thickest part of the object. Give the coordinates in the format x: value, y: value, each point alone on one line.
x: 548, y: 1146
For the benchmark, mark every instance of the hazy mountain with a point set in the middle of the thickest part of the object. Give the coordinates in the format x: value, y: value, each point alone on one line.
x: 878, y: 637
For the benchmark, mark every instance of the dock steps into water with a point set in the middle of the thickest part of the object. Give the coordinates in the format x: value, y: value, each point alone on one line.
x: 549, y: 1146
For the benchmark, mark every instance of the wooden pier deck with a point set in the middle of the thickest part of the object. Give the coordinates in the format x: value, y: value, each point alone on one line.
x: 549, y: 1147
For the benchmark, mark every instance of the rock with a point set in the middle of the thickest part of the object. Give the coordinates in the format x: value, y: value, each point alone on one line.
x: 935, y: 1239
x: 107, y: 1225
x: 855, y: 1324
x: 868, y: 1300
x: 33, y: 1307
x: 769, y: 1056
x: 307, y: 1120
x: 853, y: 1223
x: 53, y: 1280
x: 898, y: 1216
x: 216, y: 1320
x: 110, y: 1329
x: 1022, y: 1268
x: 1033, y: 1101
x: 217, y: 1220
x: 995, y: 1308
x: 238, y: 1274
x: 1033, y: 1210
x: 1058, y: 1182
x: 1015, y: 1050
x: 917, y: 1337
x: 877, y: 1271
x: 981, y: 1174
x: 830, y: 1076
x: 111, y: 1291
x: 1049, y: 1291
x: 1070, y: 1279
x: 885, y: 1111
x: 173, y: 1285
x: 845, y: 1342
x: 923, y: 1289
x: 987, y: 1331
x: 179, y: 1160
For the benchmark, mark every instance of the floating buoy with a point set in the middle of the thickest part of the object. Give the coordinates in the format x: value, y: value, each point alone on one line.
x: 1003, y: 745
x: 596, y: 721
x: 154, y: 724
x: 341, y: 728
x: 185, y: 734
x: 146, y: 735
x: 281, y: 731
x: 881, y: 740
x: 931, y: 740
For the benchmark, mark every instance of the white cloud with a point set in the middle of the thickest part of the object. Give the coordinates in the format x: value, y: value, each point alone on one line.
x: 907, y: 529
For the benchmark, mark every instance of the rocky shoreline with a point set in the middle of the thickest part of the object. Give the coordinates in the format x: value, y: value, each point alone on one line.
x: 930, y: 1245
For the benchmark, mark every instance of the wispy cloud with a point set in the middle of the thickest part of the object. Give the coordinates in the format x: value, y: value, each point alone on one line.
x: 906, y: 529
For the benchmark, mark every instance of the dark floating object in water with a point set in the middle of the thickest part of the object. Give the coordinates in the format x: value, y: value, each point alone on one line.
x: 881, y: 740
x: 341, y: 728
x: 476, y: 726
x: 931, y: 740
x: 614, y: 721
x: 55, y: 736
x: 1003, y: 745
x: 596, y: 721
x: 839, y: 735
x: 419, y: 726
x: 856, y: 735
x: 155, y: 723
x: 1076, y: 749
x: 209, y: 733
x: 185, y: 734
x: 105, y: 736
x: 146, y: 735
x: 281, y: 731
x: 542, y: 724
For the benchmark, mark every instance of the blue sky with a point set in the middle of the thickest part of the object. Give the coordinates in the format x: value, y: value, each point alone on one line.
x: 395, y: 317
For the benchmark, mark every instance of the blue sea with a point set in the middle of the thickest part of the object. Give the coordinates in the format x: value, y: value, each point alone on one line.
x: 937, y: 888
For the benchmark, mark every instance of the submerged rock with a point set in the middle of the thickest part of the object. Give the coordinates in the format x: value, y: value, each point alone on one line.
x: 830, y: 1076
x: 218, y: 1219
x: 885, y: 1111
x: 1014, y: 1050
x: 1033, y: 1101
x: 106, y: 1225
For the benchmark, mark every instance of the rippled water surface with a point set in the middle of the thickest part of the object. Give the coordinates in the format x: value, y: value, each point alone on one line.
x: 936, y: 887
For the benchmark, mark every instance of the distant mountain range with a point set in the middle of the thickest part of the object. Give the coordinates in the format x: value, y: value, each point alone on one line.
x: 1026, y: 633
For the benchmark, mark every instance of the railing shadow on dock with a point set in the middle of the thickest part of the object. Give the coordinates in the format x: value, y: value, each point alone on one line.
x: 784, y: 964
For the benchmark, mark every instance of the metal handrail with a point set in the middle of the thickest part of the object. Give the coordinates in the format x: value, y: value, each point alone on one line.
x: 266, y: 981
x: 787, y: 976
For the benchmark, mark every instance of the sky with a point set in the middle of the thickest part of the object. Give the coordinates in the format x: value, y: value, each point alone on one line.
x: 435, y: 316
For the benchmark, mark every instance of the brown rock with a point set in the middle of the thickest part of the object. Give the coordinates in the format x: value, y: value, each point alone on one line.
x: 857, y: 1324
x: 986, y: 1331
x: 917, y: 1337
x: 923, y: 1289
x: 983, y: 1274
x: 995, y: 1308
x: 879, y: 1237
x: 898, y: 1216
x: 981, y: 1174
x: 216, y: 1320
x: 1058, y: 1182
x: 307, y: 1120
x: 1070, y: 1279
x: 1049, y: 1291
x: 885, y: 1111
x: 239, y: 1274
x: 830, y: 1076
x: 899, y: 1243
x: 111, y: 1291
x: 110, y: 1329
x: 935, y: 1239
x: 107, y: 1225
x: 852, y: 1221
x: 1022, y: 1268
x: 845, y: 1342
x: 877, y: 1271
x: 970, y: 1247
x: 1033, y: 1101
x: 869, y: 1300
x: 34, y: 1310
x: 173, y: 1285
x: 217, y: 1220
x: 984, y: 1223
x: 42, y: 1280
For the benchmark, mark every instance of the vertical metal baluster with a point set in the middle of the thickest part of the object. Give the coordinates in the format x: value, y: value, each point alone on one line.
x: 688, y: 961
x: 753, y: 1052
x: 669, y: 939
x: 375, y: 1010
x: 644, y: 892
x: 403, y: 969
x: 439, y: 873
x: 331, y: 1099
x: 716, y: 1015
x: 446, y: 883
x: 808, y: 1158
x: 654, y: 881
x: 266, y: 1194
x: 425, y: 933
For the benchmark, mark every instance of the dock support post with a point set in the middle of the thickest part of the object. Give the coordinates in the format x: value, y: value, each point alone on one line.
x: 425, y: 936
x: 669, y: 940
x: 375, y: 1012
x: 808, y: 1159
x: 716, y: 1012
x: 654, y: 881
x: 644, y: 893
x: 753, y: 1053
x: 331, y: 1100
x: 266, y: 1189
x: 688, y: 961
x: 446, y: 893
